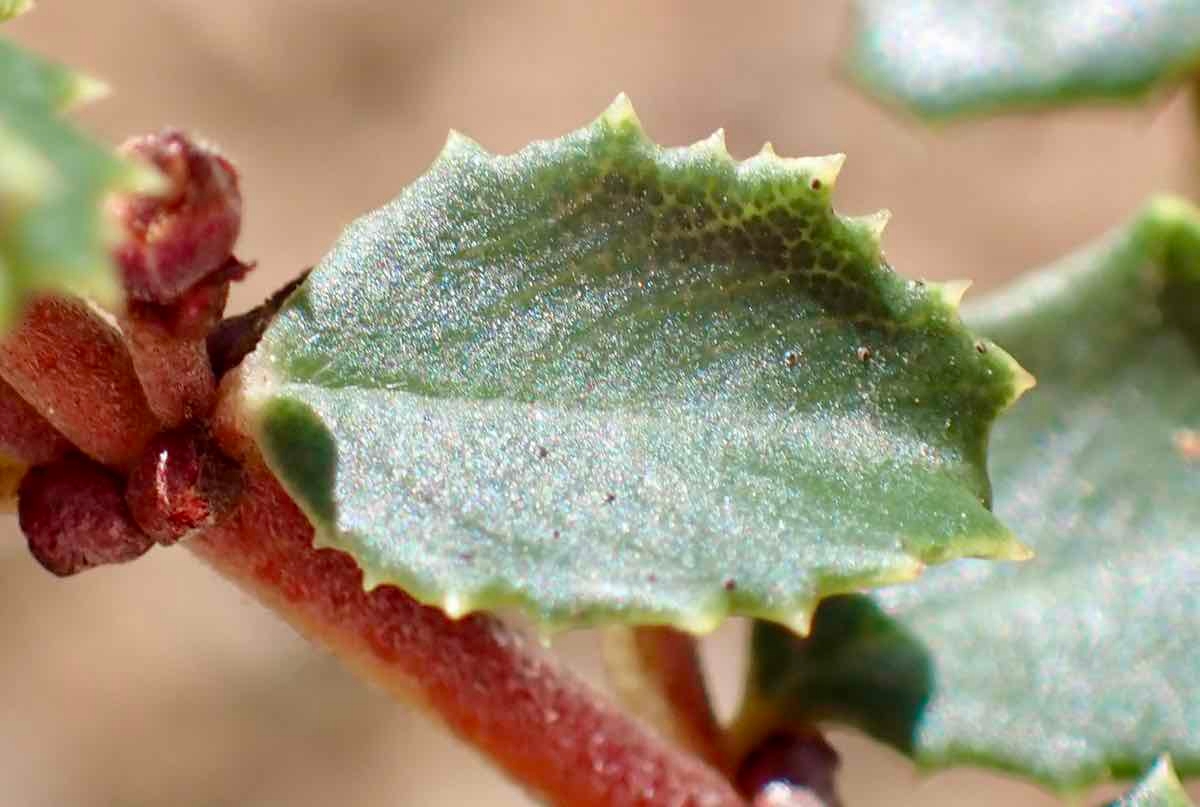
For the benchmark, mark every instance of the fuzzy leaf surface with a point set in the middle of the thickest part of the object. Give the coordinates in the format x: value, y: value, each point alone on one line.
x: 1081, y: 663
x: 1160, y: 787
x: 942, y: 58
x: 53, y: 180
x: 602, y: 380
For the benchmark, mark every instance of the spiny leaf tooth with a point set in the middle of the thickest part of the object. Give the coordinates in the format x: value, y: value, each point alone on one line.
x: 85, y: 89
x: 713, y: 144
x: 458, y: 143
x: 798, y: 622
x: 951, y: 292
x: 620, y: 113
x: 767, y: 150
x: 456, y: 605
x: 1023, y: 380
x: 702, y: 621
x: 1015, y: 551
x: 826, y: 169
x: 873, y: 224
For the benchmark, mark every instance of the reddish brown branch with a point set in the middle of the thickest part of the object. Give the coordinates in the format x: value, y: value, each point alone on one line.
x: 74, y: 368
x: 658, y: 672
x: 175, y: 374
x: 490, y: 685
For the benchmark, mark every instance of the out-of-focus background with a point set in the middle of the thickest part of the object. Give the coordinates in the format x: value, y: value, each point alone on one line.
x: 158, y: 683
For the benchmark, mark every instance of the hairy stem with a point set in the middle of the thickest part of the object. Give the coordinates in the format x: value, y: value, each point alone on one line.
x: 175, y: 373
x: 657, y: 671
x: 74, y: 368
x: 491, y: 686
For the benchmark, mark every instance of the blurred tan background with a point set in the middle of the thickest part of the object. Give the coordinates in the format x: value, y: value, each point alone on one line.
x: 157, y: 683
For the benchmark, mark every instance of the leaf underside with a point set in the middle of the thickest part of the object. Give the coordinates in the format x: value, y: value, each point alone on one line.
x: 1082, y: 663
x: 53, y: 234
x: 602, y: 380
x: 1160, y: 787
x: 943, y: 58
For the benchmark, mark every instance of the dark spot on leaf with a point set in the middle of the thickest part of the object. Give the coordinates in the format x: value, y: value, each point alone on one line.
x: 730, y: 584
x: 467, y: 556
x: 815, y: 184
x: 609, y: 498
x: 556, y: 535
x: 791, y: 358
x: 653, y: 578
x: 542, y: 452
x: 981, y: 346
x: 864, y: 354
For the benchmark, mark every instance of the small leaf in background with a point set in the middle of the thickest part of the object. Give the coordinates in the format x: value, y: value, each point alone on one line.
x: 53, y: 232
x: 942, y: 58
x: 1160, y: 787
x: 604, y: 380
x: 1081, y: 663
x: 11, y: 8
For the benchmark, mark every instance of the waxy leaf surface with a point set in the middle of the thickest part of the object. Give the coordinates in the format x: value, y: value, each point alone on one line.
x: 1160, y: 787
x: 949, y: 57
x: 1081, y: 663
x: 53, y: 180
x: 606, y: 381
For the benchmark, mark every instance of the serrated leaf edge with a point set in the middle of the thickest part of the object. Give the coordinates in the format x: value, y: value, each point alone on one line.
x: 818, y: 173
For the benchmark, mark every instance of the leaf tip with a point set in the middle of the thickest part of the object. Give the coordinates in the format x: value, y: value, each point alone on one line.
x: 713, y: 144
x: 456, y: 605
x: 459, y: 143
x: 85, y: 89
x: 951, y: 292
x: 1015, y: 550
x: 620, y: 113
x: 873, y: 225
x: 826, y: 170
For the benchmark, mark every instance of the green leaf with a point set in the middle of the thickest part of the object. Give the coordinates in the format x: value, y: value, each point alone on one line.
x: 942, y: 58
x: 53, y: 232
x: 1160, y: 787
x: 1081, y: 663
x: 13, y: 8
x: 604, y: 380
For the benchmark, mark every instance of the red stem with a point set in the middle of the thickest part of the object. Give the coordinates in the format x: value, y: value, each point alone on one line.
x: 174, y: 372
x: 74, y: 368
x: 489, y: 684
x: 658, y: 672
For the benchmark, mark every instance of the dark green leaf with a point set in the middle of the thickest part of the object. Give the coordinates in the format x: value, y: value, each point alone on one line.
x: 1081, y: 663
x: 950, y: 57
x: 603, y: 380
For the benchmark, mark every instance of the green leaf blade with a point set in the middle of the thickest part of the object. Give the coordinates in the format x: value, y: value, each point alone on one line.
x: 602, y: 380
x: 946, y: 58
x: 1080, y: 664
x: 54, y: 236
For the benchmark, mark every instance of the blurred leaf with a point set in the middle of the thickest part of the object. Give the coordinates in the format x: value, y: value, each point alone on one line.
x: 13, y: 8
x: 603, y: 380
x: 1160, y: 787
x: 948, y: 57
x: 1081, y: 663
x: 53, y: 233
